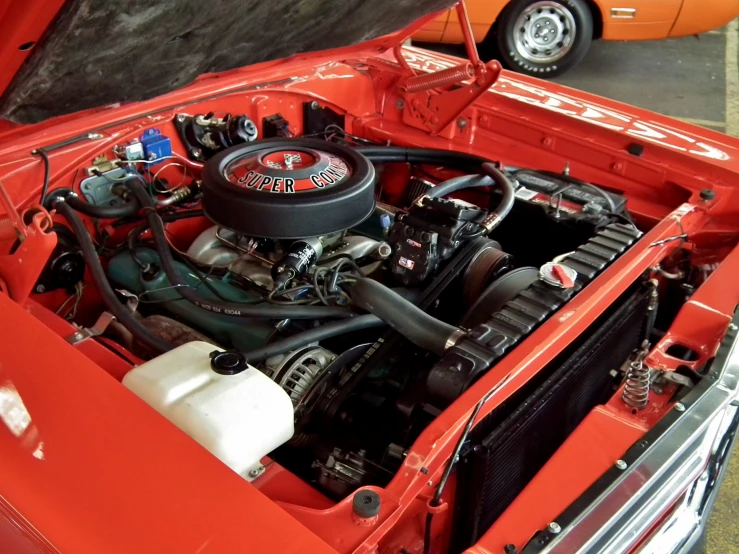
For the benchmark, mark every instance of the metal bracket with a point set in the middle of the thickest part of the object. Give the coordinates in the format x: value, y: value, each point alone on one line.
x: 20, y: 269
x: 105, y: 319
x: 132, y: 300
x: 434, y: 111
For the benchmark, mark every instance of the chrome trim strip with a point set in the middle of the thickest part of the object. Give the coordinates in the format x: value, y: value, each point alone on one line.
x: 615, y: 520
x: 683, y: 528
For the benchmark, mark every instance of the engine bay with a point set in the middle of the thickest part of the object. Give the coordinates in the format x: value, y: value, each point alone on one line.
x: 372, y: 308
x: 306, y: 299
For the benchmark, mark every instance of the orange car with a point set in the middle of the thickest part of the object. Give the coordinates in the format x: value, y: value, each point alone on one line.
x: 547, y: 37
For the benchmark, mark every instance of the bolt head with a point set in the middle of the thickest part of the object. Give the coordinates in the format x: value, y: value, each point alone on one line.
x: 461, y: 123
x: 620, y: 464
x: 180, y: 118
x: 554, y: 528
x: 680, y: 407
x: 254, y: 473
x: 399, y: 103
x: 733, y: 327
x: 314, y: 105
x: 78, y: 336
x: 40, y: 288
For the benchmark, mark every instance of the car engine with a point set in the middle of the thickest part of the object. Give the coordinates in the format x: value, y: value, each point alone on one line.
x: 326, y: 297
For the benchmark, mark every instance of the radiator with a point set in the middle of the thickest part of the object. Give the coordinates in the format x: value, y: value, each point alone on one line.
x: 513, y: 443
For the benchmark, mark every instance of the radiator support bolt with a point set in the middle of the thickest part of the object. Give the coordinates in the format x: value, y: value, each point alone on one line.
x: 620, y: 464
x: 554, y: 528
x: 680, y: 407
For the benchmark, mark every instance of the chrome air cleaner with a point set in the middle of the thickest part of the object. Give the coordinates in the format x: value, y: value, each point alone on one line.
x: 288, y: 188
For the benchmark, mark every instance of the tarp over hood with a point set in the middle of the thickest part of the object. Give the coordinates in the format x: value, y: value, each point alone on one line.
x: 98, y: 52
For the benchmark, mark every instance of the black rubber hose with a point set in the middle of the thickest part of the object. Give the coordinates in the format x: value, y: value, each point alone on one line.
x: 323, y: 332
x: 98, y: 212
x: 407, y: 319
x: 469, y: 163
x: 262, y: 310
x: 102, y: 212
x: 493, y: 176
x: 120, y: 311
x: 459, y: 183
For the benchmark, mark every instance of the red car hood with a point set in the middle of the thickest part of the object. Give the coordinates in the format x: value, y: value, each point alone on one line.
x: 62, y: 57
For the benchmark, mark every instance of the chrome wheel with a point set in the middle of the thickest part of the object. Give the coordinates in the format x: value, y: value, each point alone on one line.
x: 544, y: 32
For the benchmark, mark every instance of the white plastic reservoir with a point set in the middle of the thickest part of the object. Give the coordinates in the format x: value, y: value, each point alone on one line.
x: 238, y: 418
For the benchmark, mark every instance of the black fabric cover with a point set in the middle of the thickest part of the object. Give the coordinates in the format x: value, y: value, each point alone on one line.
x: 99, y: 52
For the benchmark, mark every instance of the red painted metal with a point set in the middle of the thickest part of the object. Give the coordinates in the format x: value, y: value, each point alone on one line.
x: 90, y: 468
x: 27, y: 243
x: 436, y: 111
x: 703, y: 319
x: 23, y: 24
x: 105, y: 449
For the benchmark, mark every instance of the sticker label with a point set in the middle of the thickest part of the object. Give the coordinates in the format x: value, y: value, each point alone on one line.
x: 406, y: 263
x: 258, y: 181
x: 336, y: 171
x: 525, y: 194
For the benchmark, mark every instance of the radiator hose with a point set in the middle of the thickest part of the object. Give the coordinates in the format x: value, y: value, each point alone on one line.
x: 407, y: 319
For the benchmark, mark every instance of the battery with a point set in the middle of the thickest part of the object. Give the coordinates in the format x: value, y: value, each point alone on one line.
x: 569, y: 195
x: 554, y: 214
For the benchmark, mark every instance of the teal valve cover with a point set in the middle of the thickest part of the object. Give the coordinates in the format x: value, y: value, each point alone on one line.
x: 229, y: 332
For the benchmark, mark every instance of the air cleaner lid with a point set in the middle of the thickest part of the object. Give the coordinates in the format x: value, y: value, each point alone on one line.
x: 288, y: 188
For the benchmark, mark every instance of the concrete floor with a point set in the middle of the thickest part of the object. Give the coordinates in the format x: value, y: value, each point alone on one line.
x: 696, y: 80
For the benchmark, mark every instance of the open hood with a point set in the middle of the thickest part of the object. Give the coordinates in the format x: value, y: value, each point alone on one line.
x: 95, y: 52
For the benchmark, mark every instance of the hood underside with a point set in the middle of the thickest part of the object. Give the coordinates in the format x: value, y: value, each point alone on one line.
x: 98, y: 52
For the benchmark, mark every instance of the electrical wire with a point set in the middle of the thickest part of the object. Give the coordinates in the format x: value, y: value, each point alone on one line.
x: 436, y: 498
x: 77, y: 297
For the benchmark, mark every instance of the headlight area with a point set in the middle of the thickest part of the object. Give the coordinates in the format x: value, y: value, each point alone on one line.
x: 660, y: 500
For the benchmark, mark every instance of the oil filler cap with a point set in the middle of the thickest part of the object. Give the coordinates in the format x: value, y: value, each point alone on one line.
x: 227, y: 362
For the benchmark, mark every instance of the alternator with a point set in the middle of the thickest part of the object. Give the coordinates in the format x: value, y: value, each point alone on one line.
x: 297, y: 371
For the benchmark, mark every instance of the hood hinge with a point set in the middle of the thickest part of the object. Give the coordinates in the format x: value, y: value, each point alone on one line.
x: 433, y: 110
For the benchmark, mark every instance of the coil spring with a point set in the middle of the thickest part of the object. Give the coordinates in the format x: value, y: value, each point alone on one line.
x: 636, y: 390
x: 441, y: 78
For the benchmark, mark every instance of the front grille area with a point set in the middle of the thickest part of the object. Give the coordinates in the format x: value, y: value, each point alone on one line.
x: 513, y: 443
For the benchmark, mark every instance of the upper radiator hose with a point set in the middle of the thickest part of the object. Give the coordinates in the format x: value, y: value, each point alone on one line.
x: 407, y: 319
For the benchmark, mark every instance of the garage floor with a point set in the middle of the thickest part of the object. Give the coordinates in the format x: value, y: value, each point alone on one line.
x: 696, y: 80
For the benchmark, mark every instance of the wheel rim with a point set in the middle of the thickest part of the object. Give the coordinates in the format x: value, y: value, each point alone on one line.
x: 544, y: 32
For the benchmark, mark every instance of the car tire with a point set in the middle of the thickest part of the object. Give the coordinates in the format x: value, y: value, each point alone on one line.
x: 543, y: 38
